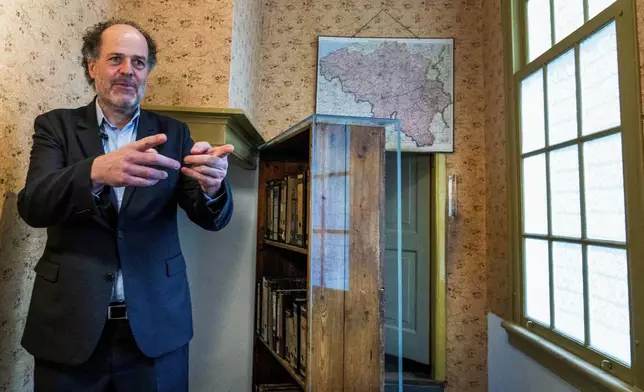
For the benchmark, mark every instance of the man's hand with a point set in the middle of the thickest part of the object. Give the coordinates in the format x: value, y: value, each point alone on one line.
x: 208, y: 165
x: 131, y: 165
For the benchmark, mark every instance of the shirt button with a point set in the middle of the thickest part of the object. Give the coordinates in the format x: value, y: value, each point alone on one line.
x: 120, y: 234
x: 109, y: 276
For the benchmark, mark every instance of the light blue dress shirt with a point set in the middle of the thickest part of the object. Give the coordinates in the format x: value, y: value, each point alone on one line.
x: 117, y: 139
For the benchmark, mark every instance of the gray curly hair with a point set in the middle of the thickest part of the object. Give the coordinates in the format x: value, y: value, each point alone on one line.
x: 92, y: 43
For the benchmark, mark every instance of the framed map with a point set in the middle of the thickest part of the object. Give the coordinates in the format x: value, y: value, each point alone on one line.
x: 408, y: 79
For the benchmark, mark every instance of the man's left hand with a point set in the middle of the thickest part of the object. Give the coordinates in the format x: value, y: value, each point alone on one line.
x: 208, y: 165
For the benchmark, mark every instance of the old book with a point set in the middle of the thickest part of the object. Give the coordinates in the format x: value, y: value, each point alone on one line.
x: 272, y: 321
x: 276, y: 209
x: 282, y: 211
x: 303, y: 339
x: 291, y: 210
x: 296, y: 332
x: 268, y: 233
x: 299, y: 235
x: 285, y: 299
x: 299, y: 315
x: 258, y: 308
x: 264, y: 315
x: 269, y: 303
x: 289, y: 329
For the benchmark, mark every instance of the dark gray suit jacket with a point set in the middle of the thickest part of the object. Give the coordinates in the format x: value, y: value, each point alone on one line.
x: 86, y: 239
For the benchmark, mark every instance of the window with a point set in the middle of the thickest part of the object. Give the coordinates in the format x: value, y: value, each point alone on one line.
x: 575, y: 154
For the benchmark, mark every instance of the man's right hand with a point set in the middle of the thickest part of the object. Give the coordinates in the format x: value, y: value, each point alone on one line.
x: 131, y: 165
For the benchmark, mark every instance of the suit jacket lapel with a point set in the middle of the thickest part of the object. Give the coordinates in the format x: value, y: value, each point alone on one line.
x: 144, y: 129
x: 89, y: 133
x: 90, y: 141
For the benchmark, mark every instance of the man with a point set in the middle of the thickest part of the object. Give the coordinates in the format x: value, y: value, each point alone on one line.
x: 110, y: 308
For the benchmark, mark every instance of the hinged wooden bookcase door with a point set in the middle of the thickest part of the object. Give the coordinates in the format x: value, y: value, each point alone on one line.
x: 346, y: 258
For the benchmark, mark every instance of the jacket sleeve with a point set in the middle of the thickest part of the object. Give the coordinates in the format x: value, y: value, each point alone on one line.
x: 210, y: 214
x: 54, y: 193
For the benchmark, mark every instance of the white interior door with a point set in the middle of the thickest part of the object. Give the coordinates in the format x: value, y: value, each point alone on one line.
x: 415, y: 280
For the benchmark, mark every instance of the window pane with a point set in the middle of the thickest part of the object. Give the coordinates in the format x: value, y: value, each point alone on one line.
x: 532, y: 112
x: 562, y: 99
x: 535, y: 212
x: 564, y: 192
x: 597, y: 6
x: 539, y: 35
x: 568, y: 289
x: 537, y: 281
x: 609, y: 302
x: 569, y: 16
x: 599, y: 81
x: 604, y: 183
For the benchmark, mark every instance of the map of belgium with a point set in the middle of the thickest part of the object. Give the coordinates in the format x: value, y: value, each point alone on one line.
x: 391, y: 78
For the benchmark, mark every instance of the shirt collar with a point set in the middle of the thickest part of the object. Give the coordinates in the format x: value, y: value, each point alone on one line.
x: 101, y: 117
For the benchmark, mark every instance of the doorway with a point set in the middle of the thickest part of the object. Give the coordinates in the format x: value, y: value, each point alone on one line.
x: 415, y: 279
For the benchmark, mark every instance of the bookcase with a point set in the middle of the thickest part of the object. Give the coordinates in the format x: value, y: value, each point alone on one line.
x: 319, y: 275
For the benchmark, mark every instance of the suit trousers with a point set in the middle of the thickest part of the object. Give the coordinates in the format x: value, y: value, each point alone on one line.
x: 117, y: 365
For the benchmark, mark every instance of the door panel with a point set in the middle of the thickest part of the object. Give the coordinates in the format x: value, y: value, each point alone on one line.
x: 415, y: 257
x: 409, y: 290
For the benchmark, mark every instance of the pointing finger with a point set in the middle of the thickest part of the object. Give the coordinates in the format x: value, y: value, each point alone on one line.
x: 222, y: 151
x: 205, y: 159
x: 200, y: 148
x: 157, y: 159
x: 149, y: 142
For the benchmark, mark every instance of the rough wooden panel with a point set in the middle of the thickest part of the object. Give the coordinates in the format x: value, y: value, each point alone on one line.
x: 363, y: 331
x: 326, y: 312
x: 327, y: 322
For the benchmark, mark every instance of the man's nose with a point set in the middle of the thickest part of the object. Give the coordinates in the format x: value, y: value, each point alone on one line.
x: 126, y: 67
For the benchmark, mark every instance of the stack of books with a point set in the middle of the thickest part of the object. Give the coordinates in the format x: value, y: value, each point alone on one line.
x: 281, y: 318
x: 286, y: 209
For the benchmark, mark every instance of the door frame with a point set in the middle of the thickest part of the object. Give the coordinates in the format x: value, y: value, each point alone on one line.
x: 437, y: 263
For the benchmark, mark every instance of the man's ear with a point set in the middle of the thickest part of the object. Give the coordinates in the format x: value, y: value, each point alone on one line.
x: 91, y: 67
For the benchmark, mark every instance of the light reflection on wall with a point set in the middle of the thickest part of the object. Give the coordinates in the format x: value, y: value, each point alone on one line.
x: 330, y: 215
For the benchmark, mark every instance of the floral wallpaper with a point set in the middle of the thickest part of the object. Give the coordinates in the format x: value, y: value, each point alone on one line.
x: 245, y: 55
x: 210, y: 56
x: 40, y: 63
x: 498, y: 288
x: 288, y: 77
x: 194, y: 40
x: 40, y: 70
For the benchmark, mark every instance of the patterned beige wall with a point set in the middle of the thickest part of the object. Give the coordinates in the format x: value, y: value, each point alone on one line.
x: 288, y: 73
x: 43, y: 41
x: 498, y: 289
x: 245, y: 55
x: 39, y: 70
x: 194, y: 39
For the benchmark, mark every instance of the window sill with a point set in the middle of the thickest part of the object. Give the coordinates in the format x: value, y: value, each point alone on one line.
x: 569, y: 367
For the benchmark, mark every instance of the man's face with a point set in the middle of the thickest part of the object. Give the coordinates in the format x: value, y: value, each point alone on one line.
x: 121, y: 70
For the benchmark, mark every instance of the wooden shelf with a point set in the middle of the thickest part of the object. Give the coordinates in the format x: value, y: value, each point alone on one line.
x: 282, y: 245
x: 219, y: 126
x: 297, y: 376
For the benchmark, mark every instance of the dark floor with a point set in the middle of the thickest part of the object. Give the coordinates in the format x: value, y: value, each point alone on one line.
x: 413, y: 388
x: 416, y: 377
